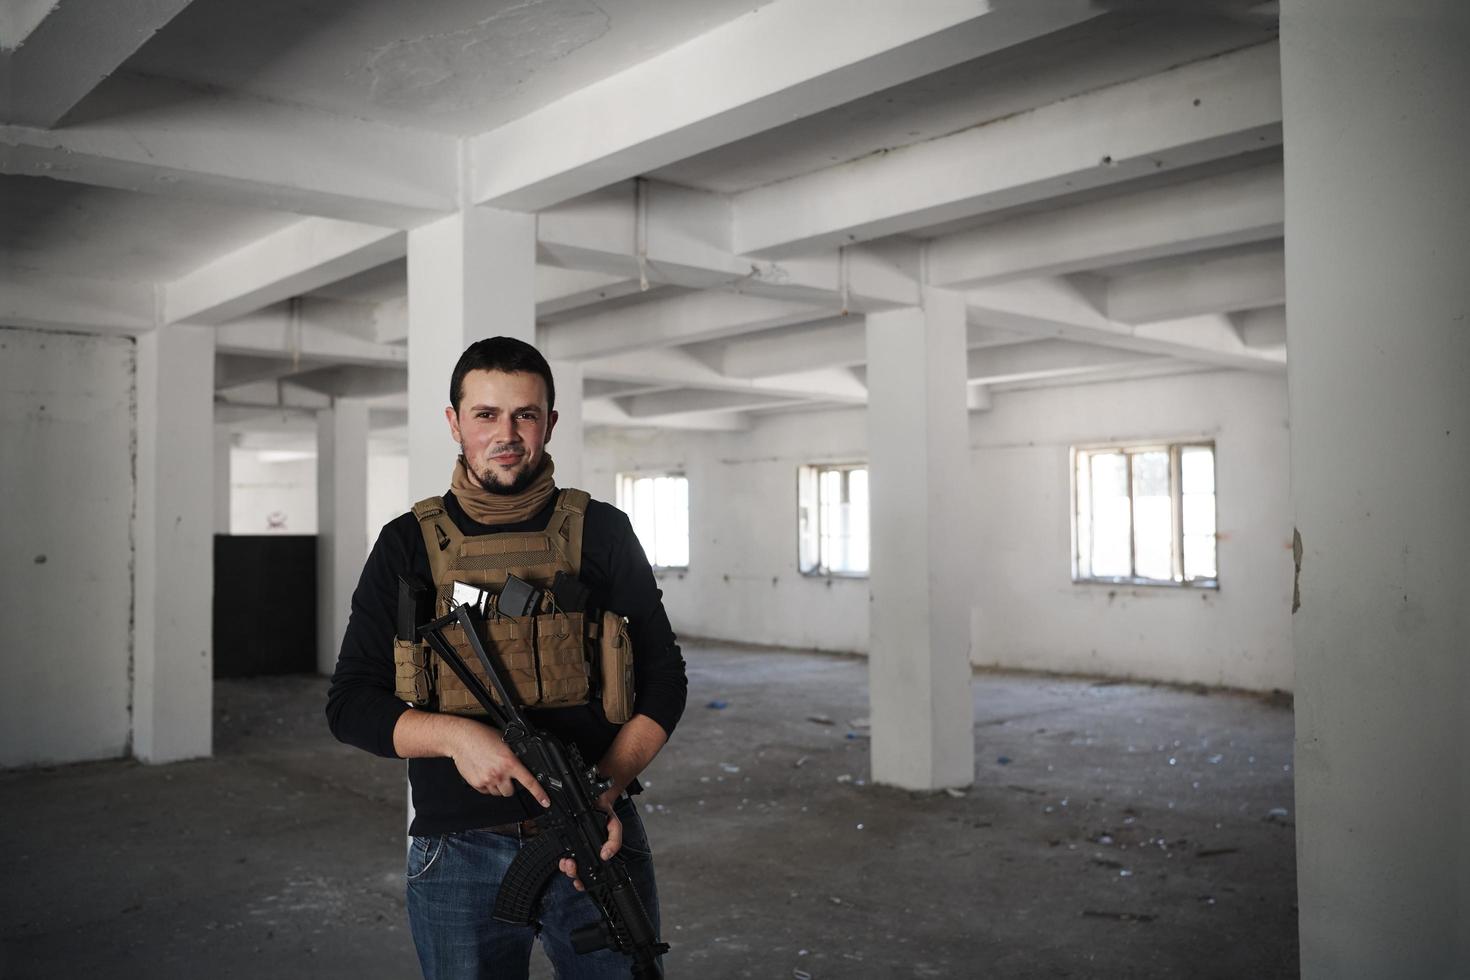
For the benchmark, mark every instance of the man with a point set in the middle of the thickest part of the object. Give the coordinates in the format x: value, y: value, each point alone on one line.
x: 473, y: 800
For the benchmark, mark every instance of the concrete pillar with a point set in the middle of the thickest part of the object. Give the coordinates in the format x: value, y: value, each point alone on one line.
x: 918, y: 457
x: 1376, y: 102
x: 341, y: 519
x: 223, y: 442
x: 173, y: 664
x: 566, y: 442
x: 471, y: 275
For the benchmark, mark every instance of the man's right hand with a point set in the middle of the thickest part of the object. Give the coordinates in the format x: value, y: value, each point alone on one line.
x: 479, y: 753
x: 488, y: 765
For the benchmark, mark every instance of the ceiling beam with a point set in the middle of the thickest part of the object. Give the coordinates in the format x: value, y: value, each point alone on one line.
x: 674, y: 368
x: 830, y: 343
x: 1047, y: 359
x: 1261, y: 329
x: 273, y: 394
x: 833, y: 342
x: 1223, y: 284
x: 1059, y: 308
x: 605, y: 411
x: 43, y: 301
x: 659, y: 233
x: 56, y: 58
x: 1219, y: 107
x: 741, y: 78
x: 307, y: 255
x: 1213, y: 338
x: 158, y: 137
x: 1213, y: 212
x: 18, y: 18
x: 560, y: 291
x: 233, y: 370
x: 310, y: 330
x: 682, y: 319
x: 692, y: 402
x: 354, y: 380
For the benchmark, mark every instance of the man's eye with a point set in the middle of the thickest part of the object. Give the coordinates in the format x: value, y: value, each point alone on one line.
x: 482, y: 415
x: 528, y: 416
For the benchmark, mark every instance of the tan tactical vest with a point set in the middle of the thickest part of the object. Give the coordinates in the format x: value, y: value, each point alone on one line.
x: 553, y: 658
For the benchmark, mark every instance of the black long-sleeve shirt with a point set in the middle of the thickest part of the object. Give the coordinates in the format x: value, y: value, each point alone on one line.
x: 362, y: 708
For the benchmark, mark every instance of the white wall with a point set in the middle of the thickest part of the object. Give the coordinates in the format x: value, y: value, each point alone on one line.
x: 1028, y: 613
x: 743, y: 584
x: 67, y: 417
x: 743, y: 581
x: 269, y: 496
x: 260, y: 488
x: 387, y: 490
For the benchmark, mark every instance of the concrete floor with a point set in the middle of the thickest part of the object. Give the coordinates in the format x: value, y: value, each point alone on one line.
x: 1114, y: 830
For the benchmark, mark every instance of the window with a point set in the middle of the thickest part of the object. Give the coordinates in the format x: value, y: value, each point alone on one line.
x: 832, y: 519
x: 1145, y: 514
x: 658, y: 506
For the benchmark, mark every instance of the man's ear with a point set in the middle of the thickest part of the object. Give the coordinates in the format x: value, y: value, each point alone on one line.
x: 453, y: 417
x: 550, y: 424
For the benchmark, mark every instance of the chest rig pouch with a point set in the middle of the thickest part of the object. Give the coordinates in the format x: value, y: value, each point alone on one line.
x: 551, y: 658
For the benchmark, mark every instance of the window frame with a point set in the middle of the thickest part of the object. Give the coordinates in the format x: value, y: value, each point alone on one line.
x: 632, y: 476
x: 817, y: 469
x: 1174, y: 447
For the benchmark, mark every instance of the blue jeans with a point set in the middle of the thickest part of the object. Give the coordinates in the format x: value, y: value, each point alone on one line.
x: 452, y: 883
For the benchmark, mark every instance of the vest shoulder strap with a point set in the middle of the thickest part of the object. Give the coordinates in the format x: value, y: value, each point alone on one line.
x: 566, y: 524
x: 441, y: 537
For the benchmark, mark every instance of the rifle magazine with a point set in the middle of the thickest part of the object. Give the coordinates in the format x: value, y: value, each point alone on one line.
x: 526, y: 879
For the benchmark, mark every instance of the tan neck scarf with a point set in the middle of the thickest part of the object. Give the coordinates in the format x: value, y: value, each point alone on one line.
x: 501, y: 508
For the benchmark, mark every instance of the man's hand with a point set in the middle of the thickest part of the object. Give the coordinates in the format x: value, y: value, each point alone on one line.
x: 634, y: 747
x: 609, y: 848
x: 479, y: 753
x: 489, y: 766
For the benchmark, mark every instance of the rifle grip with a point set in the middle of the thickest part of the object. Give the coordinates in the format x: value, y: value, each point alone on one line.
x: 526, y: 879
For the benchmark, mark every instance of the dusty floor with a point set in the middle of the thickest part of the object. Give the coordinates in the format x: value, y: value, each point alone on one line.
x: 1114, y: 830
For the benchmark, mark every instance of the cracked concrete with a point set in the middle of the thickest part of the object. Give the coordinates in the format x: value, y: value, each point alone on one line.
x: 1114, y: 830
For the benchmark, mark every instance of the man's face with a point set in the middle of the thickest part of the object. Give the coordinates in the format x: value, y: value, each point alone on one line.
x: 503, y: 428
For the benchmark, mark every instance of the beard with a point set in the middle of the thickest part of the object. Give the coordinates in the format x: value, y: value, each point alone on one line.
x: 487, y: 481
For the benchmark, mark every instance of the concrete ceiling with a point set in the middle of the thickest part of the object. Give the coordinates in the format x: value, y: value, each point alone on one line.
x: 1103, y: 185
x: 455, y: 66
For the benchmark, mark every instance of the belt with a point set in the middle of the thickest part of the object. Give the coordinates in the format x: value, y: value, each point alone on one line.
x: 521, y: 829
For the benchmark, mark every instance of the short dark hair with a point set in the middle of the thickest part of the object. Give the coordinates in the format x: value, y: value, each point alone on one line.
x: 500, y: 354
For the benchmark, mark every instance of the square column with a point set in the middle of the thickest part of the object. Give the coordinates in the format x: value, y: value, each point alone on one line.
x: 341, y: 520
x: 1378, y: 342
x: 919, y: 468
x: 173, y: 663
x: 471, y: 275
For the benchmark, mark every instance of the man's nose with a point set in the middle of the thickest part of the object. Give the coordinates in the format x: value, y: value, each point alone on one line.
x: 504, y: 429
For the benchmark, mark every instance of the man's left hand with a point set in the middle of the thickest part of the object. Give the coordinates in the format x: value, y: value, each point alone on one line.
x: 609, y: 848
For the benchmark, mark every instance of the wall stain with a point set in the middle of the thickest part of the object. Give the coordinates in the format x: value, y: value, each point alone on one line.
x: 1296, y: 582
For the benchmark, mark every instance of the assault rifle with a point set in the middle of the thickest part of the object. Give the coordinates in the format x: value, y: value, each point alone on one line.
x: 572, y: 826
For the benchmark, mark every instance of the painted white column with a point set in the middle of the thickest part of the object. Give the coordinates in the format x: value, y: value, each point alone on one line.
x: 223, y: 441
x: 341, y: 520
x: 566, y: 442
x: 1377, y: 134
x: 470, y: 276
x: 173, y: 662
x: 918, y: 458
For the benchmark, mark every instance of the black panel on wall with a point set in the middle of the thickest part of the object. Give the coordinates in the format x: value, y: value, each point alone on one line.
x: 264, y: 604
